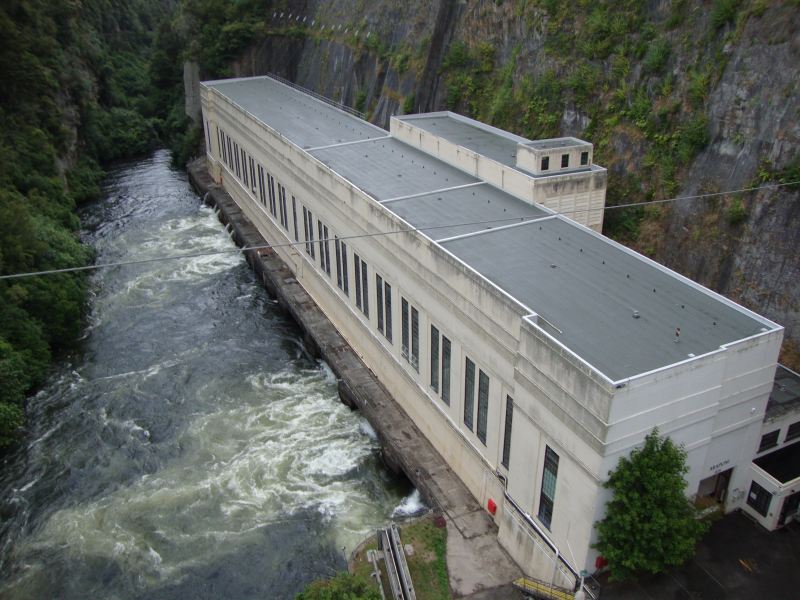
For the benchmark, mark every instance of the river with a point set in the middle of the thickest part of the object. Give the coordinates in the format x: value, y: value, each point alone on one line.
x: 190, y: 448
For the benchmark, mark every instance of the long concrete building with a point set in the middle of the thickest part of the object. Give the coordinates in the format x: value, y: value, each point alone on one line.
x: 465, y: 265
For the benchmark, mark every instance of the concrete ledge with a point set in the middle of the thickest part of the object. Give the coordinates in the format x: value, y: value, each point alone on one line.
x: 478, y: 561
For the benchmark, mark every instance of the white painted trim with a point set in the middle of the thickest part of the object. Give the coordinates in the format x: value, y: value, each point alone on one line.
x: 374, y: 139
x: 431, y: 192
x: 493, y: 229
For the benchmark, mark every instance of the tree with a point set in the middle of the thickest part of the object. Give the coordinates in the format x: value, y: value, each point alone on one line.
x: 343, y: 586
x: 649, y: 524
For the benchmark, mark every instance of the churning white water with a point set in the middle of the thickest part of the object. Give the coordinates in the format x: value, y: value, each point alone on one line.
x: 191, y: 449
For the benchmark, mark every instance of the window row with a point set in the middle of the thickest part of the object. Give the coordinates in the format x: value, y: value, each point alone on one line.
x: 545, y: 165
x: 273, y: 197
x: 770, y: 440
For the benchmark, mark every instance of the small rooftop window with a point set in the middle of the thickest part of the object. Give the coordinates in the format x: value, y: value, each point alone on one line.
x: 564, y: 161
x: 545, y: 163
x: 584, y: 158
x: 769, y: 440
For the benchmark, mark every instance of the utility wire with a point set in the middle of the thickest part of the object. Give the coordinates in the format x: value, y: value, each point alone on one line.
x: 378, y: 233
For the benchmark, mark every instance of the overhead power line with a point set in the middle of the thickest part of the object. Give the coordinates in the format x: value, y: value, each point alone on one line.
x: 142, y: 261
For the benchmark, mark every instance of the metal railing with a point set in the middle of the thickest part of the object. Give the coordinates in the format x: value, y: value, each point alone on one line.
x: 320, y: 97
x: 394, y: 559
x: 590, y: 586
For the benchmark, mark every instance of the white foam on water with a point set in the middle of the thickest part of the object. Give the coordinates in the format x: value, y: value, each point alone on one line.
x: 410, y: 506
x: 287, y: 447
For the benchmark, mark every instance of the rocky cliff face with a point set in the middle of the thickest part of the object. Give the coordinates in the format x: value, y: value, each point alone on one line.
x: 680, y: 98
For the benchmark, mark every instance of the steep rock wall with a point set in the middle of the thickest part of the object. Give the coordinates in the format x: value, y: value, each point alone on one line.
x: 680, y: 98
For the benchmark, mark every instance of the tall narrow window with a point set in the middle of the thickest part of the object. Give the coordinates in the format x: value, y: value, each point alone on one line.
x: 584, y: 158
x: 294, y: 219
x: 327, y: 249
x: 483, y: 405
x: 219, y: 141
x: 507, y: 431
x: 230, y: 153
x: 564, y: 161
x: 244, y: 167
x: 434, y: 359
x: 305, y: 229
x: 252, y: 175
x: 387, y: 305
x: 469, y: 392
x: 272, y: 201
x: 364, y: 288
x: 311, y: 234
x: 548, y: 496
x: 284, y: 215
x: 545, y: 163
x: 338, y: 251
x: 261, y: 192
x: 357, y: 273
x: 321, y: 245
x: 404, y: 333
x: 446, y: 370
x: 414, y: 338
x: 208, y: 136
x: 345, y: 282
x: 379, y: 300
x: 236, y: 159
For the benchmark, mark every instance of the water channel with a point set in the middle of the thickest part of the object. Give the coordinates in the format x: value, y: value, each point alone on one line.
x: 191, y: 448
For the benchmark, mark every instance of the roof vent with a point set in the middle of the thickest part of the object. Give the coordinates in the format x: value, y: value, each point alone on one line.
x: 636, y: 314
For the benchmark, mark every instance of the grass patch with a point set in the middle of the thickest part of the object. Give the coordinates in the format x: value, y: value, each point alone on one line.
x: 428, y: 564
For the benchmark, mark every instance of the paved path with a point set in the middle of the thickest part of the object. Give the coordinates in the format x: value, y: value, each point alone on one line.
x: 476, y: 562
x: 737, y: 560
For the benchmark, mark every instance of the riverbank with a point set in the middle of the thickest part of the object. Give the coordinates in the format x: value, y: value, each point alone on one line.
x: 476, y: 562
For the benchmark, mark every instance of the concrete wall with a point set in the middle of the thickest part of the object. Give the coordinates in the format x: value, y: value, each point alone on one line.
x: 560, y: 401
x: 529, y: 157
x: 579, y: 196
x: 779, y: 494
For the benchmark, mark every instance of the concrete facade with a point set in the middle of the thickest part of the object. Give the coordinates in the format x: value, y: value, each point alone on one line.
x: 570, y: 420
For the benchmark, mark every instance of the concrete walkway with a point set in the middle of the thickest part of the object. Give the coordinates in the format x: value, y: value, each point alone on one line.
x: 478, y: 567
x: 736, y: 560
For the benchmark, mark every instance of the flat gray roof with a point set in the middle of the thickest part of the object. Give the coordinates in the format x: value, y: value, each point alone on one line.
x: 564, y: 142
x: 388, y: 168
x: 470, y: 209
x: 495, y: 145
x: 785, y: 396
x: 584, y: 285
x: 306, y: 121
x: 589, y: 288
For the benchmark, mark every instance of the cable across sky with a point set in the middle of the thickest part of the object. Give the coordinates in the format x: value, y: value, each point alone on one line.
x: 380, y: 233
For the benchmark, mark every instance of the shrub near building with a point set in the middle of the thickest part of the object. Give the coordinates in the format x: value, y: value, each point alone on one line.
x: 649, y: 524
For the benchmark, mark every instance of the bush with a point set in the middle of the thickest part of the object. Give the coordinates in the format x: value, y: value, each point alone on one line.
x: 657, y: 56
x: 409, y: 103
x: 723, y: 12
x: 737, y: 213
x: 343, y: 586
x: 649, y: 524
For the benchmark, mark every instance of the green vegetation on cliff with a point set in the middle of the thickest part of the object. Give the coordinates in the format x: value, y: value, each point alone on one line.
x: 76, y: 94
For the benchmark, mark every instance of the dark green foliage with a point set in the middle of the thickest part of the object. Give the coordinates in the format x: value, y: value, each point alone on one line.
x: 409, y: 104
x: 343, y: 586
x: 723, y: 12
x: 737, y: 213
x: 188, y: 145
x: 649, y: 524
x: 75, y: 94
x: 657, y: 56
x: 361, y: 101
